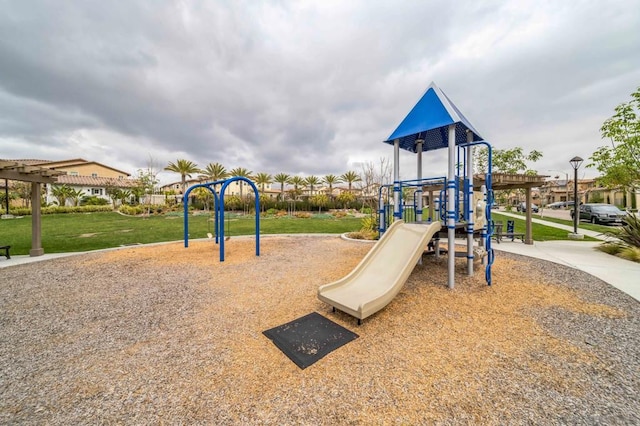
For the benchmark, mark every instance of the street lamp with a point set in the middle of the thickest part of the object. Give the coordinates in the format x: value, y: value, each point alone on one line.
x: 575, y: 163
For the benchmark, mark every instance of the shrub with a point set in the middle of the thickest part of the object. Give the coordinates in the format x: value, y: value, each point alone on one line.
x: 610, y: 248
x: 363, y: 235
x: 369, y: 223
x: 302, y: 215
x: 629, y: 233
x: 630, y: 253
x: 93, y: 201
x: 130, y: 210
x: 627, y: 245
x: 53, y: 209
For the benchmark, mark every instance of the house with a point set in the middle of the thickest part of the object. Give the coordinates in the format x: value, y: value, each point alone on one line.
x: 589, y: 191
x: 89, y: 178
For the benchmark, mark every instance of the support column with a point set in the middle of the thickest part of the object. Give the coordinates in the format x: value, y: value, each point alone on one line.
x: 397, y: 214
x: 419, y: 143
x: 528, y: 235
x: 451, y: 208
x: 470, y: 206
x: 382, y: 226
x: 36, y: 226
x: 431, y: 204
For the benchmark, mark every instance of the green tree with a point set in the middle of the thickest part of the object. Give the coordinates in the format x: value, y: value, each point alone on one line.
x: 241, y: 172
x: 331, y: 180
x: 214, y: 172
x: 114, y: 193
x: 185, y: 168
x: 61, y: 193
x: 76, y: 195
x: 350, y: 177
x: 346, y: 198
x: 202, y: 195
x: 512, y: 160
x: 147, y: 182
x: 311, y: 182
x: 319, y: 200
x: 297, y: 182
x: 282, y: 179
x: 262, y: 180
x: 22, y: 191
x: 619, y: 163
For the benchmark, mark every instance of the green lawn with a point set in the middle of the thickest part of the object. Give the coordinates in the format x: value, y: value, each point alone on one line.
x: 540, y: 232
x: 91, y: 231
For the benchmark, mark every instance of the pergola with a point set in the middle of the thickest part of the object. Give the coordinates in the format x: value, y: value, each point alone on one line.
x: 12, y: 170
x: 503, y: 181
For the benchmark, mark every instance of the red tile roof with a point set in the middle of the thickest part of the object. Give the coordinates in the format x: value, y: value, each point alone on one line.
x: 96, y: 181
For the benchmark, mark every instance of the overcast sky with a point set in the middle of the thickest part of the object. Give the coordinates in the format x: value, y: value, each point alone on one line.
x: 306, y: 87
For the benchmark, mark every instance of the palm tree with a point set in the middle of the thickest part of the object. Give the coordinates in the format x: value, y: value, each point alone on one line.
x: 186, y: 168
x: 241, y: 172
x: 263, y: 179
x: 75, y: 195
x: 311, y: 181
x: 282, y: 178
x: 61, y: 193
x: 296, y: 181
x: 350, y: 177
x: 214, y: 172
x: 331, y: 180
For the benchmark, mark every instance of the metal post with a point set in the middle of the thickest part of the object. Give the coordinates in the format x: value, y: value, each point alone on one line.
x: 452, y: 199
x: 419, y: 178
x: 575, y: 163
x: 576, y: 210
x: 396, y: 180
x: 6, y: 195
x: 470, y: 207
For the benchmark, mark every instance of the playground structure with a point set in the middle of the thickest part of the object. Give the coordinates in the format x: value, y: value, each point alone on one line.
x: 218, y: 202
x: 433, y: 123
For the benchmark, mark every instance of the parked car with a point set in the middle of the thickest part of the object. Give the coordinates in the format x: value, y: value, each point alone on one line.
x: 556, y: 205
x: 523, y: 208
x: 600, y: 213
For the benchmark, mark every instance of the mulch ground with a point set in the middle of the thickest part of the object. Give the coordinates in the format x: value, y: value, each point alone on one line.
x: 164, y: 334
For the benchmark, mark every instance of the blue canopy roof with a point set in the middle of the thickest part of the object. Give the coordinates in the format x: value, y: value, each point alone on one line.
x: 429, y: 120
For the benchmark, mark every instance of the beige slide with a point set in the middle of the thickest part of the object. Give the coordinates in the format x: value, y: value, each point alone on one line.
x: 381, y: 274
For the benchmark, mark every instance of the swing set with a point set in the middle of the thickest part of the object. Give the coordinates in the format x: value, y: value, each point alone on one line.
x: 219, y: 213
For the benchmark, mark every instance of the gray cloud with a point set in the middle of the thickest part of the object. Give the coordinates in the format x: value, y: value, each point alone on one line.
x: 309, y: 88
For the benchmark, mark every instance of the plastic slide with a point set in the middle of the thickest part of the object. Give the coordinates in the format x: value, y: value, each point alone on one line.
x: 381, y: 274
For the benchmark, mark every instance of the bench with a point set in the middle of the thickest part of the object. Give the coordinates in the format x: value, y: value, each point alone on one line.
x: 498, y: 235
x: 511, y: 235
x: 6, y: 251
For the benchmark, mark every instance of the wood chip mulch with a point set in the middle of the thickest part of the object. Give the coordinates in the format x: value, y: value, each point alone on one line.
x: 164, y: 334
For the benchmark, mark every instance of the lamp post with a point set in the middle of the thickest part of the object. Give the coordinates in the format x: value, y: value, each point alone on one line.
x: 575, y: 163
